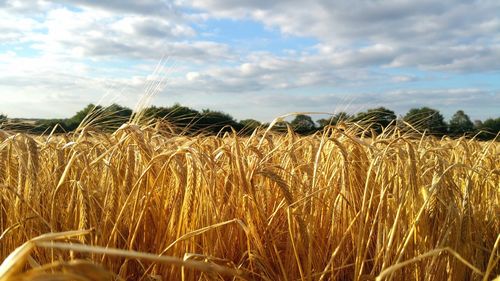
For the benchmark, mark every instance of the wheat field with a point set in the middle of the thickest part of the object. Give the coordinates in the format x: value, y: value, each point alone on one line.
x: 144, y: 203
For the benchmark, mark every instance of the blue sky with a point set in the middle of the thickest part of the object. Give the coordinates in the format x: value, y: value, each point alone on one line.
x: 252, y: 58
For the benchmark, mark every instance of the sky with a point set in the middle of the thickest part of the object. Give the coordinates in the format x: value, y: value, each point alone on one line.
x: 250, y: 58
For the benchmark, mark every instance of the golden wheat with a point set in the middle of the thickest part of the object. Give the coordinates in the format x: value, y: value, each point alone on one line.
x: 144, y: 203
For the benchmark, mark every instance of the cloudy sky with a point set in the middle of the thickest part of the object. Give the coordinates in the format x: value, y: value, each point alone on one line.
x: 250, y: 58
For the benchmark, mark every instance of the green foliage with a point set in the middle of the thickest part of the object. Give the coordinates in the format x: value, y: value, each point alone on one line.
x: 303, y: 124
x: 107, y: 118
x: 461, y: 124
x: 489, y: 129
x: 179, y: 112
x: 207, y: 121
x: 73, y: 122
x: 376, y: 118
x: 216, y: 121
x: 116, y: 110
x: 427, y: 119
x: 492, y: 125
x: 3, y: 118
x: 48, y: 125
x: 334, y: 120
x: 280, y: 126
x: 249, y: 125
x: 177, y: 115
x: 114, y: 116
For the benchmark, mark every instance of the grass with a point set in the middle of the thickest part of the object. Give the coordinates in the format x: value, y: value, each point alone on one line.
x: 144, y: 203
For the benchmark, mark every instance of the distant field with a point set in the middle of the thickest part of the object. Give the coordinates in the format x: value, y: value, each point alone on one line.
x: 148, y: 205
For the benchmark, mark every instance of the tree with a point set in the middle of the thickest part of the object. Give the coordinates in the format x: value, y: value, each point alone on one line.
x: 206, y: 121
x: 376, y: 118
x: 216, y: 121
x: 178, y: 115
x: 3, y: 118
x: 489, y: 128
x: 73, y: 122
x: 492, y: 125
x: 47, y: 125
x: 478, y: 124
x: 334, y: 120
x: 460, y: 124
x: 427, y: 119
x: 116, y: 110
x: 113, y: 117
x: 250, y: 124
x: 107, y: 118
x: 303, y: 124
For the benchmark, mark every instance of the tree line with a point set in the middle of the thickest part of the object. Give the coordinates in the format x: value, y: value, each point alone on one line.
x: 212, y: 122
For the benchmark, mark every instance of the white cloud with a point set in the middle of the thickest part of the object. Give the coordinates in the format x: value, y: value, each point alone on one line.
x: 98, y: 34
x: 159, y: 8
x: 78, y: 50
x: 72, y: 52
x: 265, y: 71
x: 403, y: 78
x: 407, y: 33
x: 14, y: 28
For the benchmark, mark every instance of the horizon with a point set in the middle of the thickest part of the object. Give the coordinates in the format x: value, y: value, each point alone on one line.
x: 252, y: 59
x: 316, y: 116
